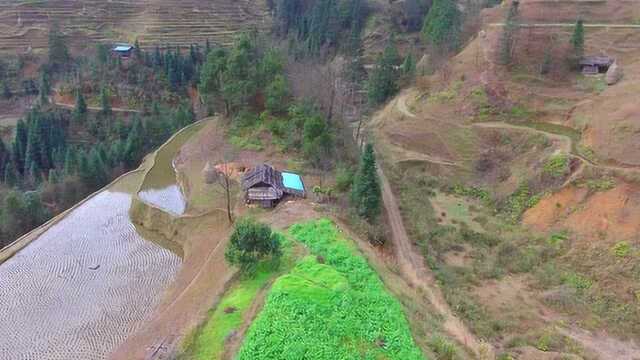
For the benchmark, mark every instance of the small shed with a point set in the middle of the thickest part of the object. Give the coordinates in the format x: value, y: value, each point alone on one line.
x: 122, y: 50
x: 266, y: 186
x: 593, y: 65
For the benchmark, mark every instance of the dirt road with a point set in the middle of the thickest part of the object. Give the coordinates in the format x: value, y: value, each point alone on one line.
x: 413, y: 268
x: 572, y: 25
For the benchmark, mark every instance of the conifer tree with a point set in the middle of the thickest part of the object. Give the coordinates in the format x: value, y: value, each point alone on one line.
x: 366, y: 195
x: 33, y: 151
x: 507, y: 38
x: 6, y: 91
x: 80, y: 111
x: 105, y: 103
x: 10, y: 175
x: 443, y: 24
x: 34, y: 174
x: 58, y: 51
x: 408, y: 66
x: 44, y: 89
x: 70, y: 162
x: 383, y: 80
x: 4, y: 156
x: 577, y: 40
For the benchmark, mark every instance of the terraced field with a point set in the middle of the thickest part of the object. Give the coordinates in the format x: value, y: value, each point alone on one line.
x: 83, y: 286
x: 24, y: 25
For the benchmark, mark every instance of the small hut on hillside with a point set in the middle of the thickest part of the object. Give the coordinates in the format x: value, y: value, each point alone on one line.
x: 593, y: 65
x: 122, y: 50
x: 266, y: 186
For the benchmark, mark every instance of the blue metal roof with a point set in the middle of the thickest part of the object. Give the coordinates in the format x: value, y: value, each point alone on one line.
x: 292, y: 181
x: 123, y: 48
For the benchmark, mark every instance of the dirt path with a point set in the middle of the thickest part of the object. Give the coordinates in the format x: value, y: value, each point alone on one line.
x: 572, y: 25
x: 603, y: 345
x: 92, y: 108
x: 566, y: 148
x: 401, y: 105
x: 413, y: 268
x: 233, y: 342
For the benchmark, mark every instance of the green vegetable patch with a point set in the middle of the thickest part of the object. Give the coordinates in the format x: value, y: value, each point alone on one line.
x: 331, y: 305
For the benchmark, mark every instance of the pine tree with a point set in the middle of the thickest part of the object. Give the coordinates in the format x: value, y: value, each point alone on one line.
x: 106, y: 103
x: 135, y: 143
x: 577, y: 40
x: 443, y: 24
x: 98, y: 169
x: 408, y: 66
x: 4, y: 156
x: 383, y: 80
x: 137, y: 51
x: 10, y: 175
x: 44, y: 89
x: 70, y: 162
x: 507, y: 39
x: 6, y: 91
x: 34, y: 174
x: 366, y: 195
x: 58, y: 51
x: 80, y: 111
x: 33, y: 151
x: 20, y: 144
x: 157, y: 57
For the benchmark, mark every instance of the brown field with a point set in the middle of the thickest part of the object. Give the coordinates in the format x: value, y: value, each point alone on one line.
x: 24, y: 25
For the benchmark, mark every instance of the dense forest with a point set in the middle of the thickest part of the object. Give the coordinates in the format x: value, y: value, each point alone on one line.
x: 57, y: 156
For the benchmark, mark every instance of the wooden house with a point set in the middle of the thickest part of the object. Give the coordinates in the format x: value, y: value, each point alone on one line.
x: 266, y: 186
x: 593, y: 65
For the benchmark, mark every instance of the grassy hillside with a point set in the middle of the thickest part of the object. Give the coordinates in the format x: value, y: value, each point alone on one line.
x: 531, y: 179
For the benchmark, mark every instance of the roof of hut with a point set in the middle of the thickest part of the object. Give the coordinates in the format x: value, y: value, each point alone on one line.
x: 262, y: 174
x: 596, y: 61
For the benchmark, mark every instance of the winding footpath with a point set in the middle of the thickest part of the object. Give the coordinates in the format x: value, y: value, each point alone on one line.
x: 412, y: 263
x: 412, y: 266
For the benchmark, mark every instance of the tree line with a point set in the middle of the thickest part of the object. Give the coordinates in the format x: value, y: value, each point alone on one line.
x: 46, y: 172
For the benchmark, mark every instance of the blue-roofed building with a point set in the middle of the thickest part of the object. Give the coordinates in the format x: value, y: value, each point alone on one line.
x: 122, y: 50
x: 266, y: 186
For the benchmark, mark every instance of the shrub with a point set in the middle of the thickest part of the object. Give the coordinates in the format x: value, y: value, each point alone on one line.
x: 621, y: 249
x: 556, y: 166
x: 444, y: 349
x: 250, y: 242
x: 344, y: 178
x: 600, y: 184
x: 577, y: 281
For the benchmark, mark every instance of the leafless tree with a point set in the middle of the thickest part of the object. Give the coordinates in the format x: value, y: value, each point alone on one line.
x: 222, y: 177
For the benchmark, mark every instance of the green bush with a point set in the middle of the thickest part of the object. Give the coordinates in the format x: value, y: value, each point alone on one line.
x: 600, y: 184
x: 621, y: 249
x: 344, y: 178
x: 250, y: 242
x: 577, y: 281
x: 444, y: 349
x: 556, y: 166
x: 335, y: 310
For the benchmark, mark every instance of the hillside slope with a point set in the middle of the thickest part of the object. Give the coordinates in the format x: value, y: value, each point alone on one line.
x: 24, y: 25
x: 532, y: 181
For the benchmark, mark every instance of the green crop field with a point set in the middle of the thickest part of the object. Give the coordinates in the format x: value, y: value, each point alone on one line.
x: 332, y: 305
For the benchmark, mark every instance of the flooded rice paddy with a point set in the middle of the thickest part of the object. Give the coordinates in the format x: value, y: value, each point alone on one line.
x: 160, y: 186
x: 168, y: 198
x: 83, y: 286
